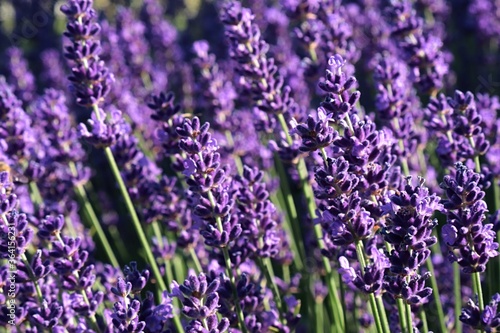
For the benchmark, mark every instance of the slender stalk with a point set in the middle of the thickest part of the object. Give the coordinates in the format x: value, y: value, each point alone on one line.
x: 373, y: 302
x: 168, y: 266
x: 266, y: 266
x: 180, y: 268
x: 320, y: 321
x: 71, y: 227
x: 458, y: 297
x: 409, y: 319
x: 36, y: 197
x: 337, y: 315
x: 355, y: 314
x: 137, y: 225
x: 84, y: 201
x: 237, y: 158
x: 399, y: 302
x: 402, y: 315
x: 122, y: 251
x: 423, y: 318
x: 476, y: 157
x: 343, y: 302
x: 135, y: 218
x: 435, y: 294
x: 286, y: 273
x: 383, y: 315
x: 291, y: 216
x: 196, y: 261
x: 279, y: 201
x: 476, y: 283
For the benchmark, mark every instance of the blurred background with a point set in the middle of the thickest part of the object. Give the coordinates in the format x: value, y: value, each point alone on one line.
x: 36, y: 25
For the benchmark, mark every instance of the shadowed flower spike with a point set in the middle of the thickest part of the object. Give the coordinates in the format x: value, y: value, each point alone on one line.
x: 487, y: 320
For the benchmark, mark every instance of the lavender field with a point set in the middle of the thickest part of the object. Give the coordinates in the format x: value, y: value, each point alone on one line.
x: 254, y: 166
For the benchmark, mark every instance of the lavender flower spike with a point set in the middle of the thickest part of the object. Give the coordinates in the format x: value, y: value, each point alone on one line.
x: 471, y: 242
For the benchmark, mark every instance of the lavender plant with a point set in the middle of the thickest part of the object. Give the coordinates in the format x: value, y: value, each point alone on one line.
x: 331, y: 167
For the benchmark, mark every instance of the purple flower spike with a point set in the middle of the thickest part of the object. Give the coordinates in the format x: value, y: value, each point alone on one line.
x: 137, y: 278
x: 122, y: 289
x: 487, y: 320
x: 471, y: 242
x: 200, y: 301
x: 104, y: 132
x: 260, y: 224
x: 23, y: 235
x: 47, y: 316
x: 409, y: 229
x: 126, y: 319
x: 90, y: 77
x: 337, y: 62
x: 315, y: 134
x: 50, y: 226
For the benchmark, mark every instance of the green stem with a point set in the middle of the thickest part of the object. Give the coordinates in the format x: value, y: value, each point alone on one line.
x: 286, y: 273
x: 236, y: 158
x: 135, y: 218
x: 476, y: 282
x: 399, y: 302
x: 402, y: 315
x: 196, y: 261
x: 404, y: 161
x: 267, y: 267
x: 179, y: 268
x: 291, y: 216
x: 383, y: 315
x: 409, y: 319
x: 168, y: 266
x: 278, y: 200
x: 84, y: 201
x: 320, y: 321
x: 33, y: 279
x: 458, y: 297
x: 437, y: 298
x: 36, y: 197
x: 423, y: 318
x: 137, y: 225
x: 476, y: 157
x: 373, y: 302
x: 355, y: 314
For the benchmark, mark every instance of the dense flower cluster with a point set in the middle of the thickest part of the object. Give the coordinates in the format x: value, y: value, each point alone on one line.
x: 333, y: 166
